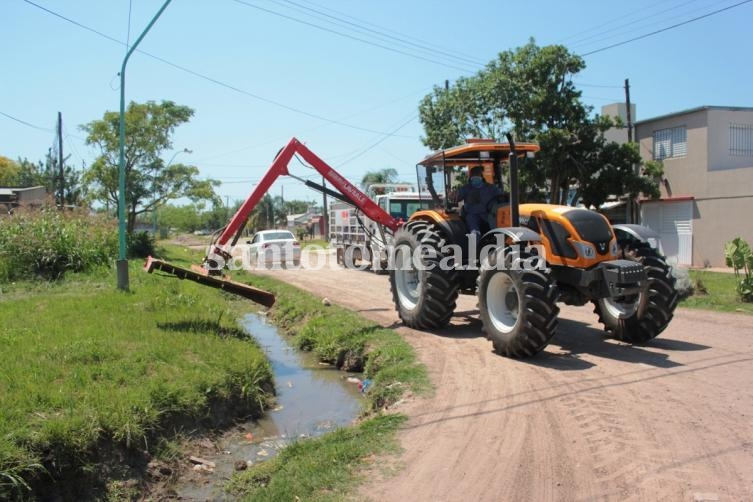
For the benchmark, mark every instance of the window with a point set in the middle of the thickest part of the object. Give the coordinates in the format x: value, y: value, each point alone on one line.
x: 405, y: 208
x: 741, y: 140
x: 276, y: 236
x: 670, y: 143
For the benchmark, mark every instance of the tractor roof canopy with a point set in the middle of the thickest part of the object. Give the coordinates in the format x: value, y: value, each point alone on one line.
x: 476, y: 152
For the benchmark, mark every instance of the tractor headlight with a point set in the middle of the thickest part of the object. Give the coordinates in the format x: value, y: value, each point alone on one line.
x: 585, y: 249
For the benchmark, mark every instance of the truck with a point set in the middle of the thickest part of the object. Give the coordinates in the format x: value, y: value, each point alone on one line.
x: 357, y: 238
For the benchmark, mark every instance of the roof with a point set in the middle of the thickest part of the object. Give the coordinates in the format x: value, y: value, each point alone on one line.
x: 472, y: 152
x: 675, y: 198
x: 274, y: 231
x: 695, y: 110
x: 13, y: 190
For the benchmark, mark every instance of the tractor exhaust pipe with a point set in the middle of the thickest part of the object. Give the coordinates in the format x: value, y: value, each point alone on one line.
x: 514, y: 188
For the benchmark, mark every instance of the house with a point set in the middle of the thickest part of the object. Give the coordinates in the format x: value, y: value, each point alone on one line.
x: 311, y: 220
x: 21, y: 197
x: 707, y: 191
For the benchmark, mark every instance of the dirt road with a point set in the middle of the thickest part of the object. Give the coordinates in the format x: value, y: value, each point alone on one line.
x: 588, y: 419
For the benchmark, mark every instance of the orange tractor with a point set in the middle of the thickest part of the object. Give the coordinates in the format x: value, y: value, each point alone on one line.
x: 530, y: 257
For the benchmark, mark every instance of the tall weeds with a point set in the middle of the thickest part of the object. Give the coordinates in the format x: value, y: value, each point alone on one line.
x: 47, y: 243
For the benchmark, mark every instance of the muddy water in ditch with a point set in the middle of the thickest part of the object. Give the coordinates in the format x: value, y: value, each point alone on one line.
x: 312, y: 399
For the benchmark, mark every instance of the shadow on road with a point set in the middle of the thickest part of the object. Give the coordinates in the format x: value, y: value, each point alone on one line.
x: 577, y: 338
x: 463, y: 326
x: 678, y: 345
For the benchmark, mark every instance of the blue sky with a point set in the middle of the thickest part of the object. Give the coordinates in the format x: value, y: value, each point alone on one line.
x: 265, y: 77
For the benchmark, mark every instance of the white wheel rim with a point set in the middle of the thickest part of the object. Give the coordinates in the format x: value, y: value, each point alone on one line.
x: 406, y: 279
x: 620, y: 310
x: 502, y: 302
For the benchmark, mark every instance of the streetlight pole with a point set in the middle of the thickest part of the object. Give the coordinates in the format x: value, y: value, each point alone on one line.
x: 122, y: 264
x: 154, y: 208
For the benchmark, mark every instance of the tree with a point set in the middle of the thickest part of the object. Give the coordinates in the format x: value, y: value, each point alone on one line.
x: 529, y: 92
x: 150, y: 182
x: 273, y: 212
x: 186, y: 218
x: 387, y: 175
x: 295, y: 206
x: 8, y: 171
x: 264, y: 214
x: 25, y: 173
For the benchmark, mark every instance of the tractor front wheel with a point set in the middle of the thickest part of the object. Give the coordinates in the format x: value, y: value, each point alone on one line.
x: 518, y: 305
x: 424, y: 293
x: 623, y: 320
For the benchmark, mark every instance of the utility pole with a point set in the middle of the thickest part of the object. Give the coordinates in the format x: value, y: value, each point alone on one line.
x: 629, y: 112
x: 325, y: 214
x: 61, y: 186
x: 632, y: 215
x: 122, y: 263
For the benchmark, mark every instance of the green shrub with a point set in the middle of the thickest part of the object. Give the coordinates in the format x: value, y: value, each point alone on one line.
x: 48, y: 243
x: 140, y: 245
x: 739, y: 256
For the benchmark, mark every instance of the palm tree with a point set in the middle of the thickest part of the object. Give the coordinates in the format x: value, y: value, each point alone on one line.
x: 387, y: 175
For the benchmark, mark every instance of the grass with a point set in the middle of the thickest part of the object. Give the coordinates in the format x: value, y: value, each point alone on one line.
x: 89, y: 374
x: 324, y: 243
x: 720, y: 293
x: 320, y: 469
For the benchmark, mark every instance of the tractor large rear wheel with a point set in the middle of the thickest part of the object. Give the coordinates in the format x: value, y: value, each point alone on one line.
x: 518, y: 307
x: 623, y: 320
x: 423, y: 293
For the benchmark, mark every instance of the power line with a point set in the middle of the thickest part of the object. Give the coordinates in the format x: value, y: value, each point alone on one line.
x: 26, y: 123
x: 650, y: 16
x: 382, y: 34
x: 128, y: 32
x: 602, y: 98
x: 644, y: 25
x: 378, y: 142
x: 351, y: 37
x: 601, y: 86
x: 355, y: 114
x: 388, y: 30
x: 211, y: 79
x: 676, y: 25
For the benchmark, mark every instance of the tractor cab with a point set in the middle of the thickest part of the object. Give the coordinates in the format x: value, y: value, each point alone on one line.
x: 444, y: 173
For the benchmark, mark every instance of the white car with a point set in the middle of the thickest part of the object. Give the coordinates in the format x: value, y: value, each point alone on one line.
x: 274, y: 246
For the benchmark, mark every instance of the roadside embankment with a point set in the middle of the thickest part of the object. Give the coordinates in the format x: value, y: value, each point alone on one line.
x: 95, y: 382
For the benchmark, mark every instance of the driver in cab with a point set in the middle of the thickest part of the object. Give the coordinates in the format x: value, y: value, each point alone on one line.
x: 476, y: 196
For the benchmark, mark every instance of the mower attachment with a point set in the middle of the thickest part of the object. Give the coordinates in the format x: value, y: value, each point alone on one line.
x: 202, y: 277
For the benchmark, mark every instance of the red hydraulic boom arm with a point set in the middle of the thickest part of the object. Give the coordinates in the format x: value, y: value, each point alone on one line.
x: 222, y: 247
x: 210, y: 273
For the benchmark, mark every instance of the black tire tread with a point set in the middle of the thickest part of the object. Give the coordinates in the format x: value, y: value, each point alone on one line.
x: 660, y: 307
x: 537, y: 321
x: 440, y: 291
